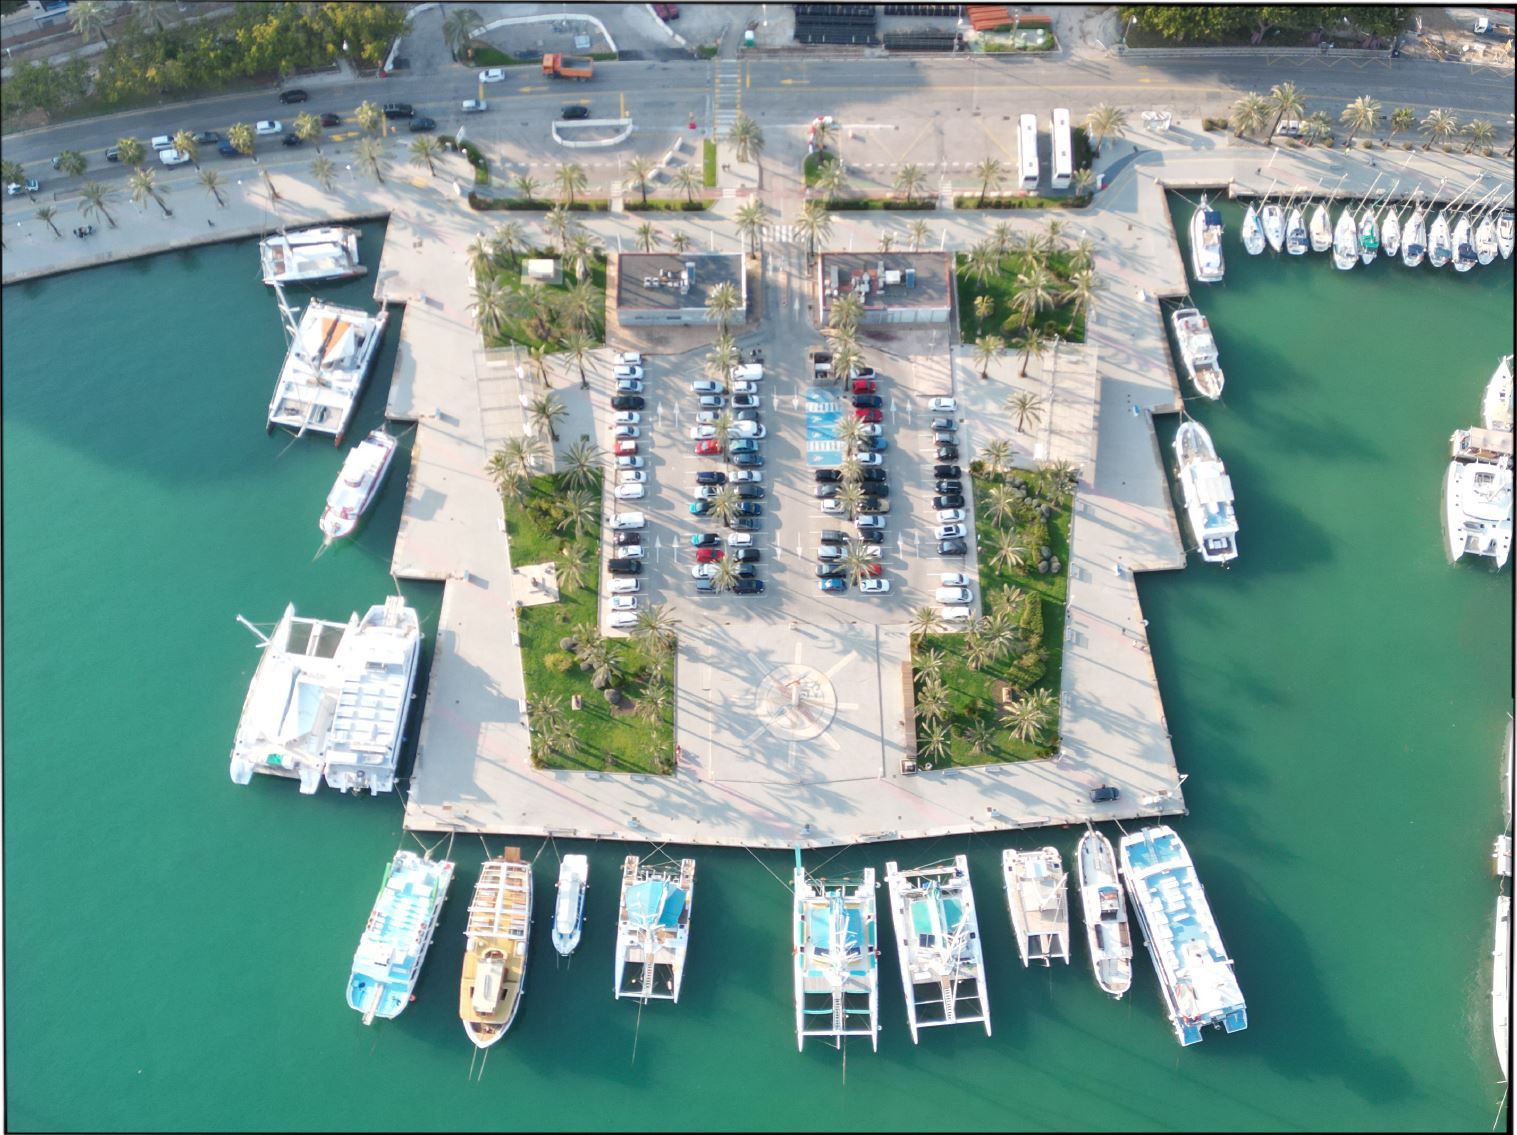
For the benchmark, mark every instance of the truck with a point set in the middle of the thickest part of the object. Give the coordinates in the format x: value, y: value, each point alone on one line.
x: 567, y: 67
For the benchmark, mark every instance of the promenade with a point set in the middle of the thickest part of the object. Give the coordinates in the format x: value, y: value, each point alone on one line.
x: 472, y: 771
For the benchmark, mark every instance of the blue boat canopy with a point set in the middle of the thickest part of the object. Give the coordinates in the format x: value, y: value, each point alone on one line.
x: 656, y: 900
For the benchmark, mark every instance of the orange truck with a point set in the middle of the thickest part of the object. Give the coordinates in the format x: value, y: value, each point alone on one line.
x: 567, y: 67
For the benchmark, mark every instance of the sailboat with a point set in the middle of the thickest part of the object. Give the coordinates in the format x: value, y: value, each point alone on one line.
x: 1486, y: 246
x: 1390, y: 233
x: 1440, y: 249
x: 1504, y: 233
x: 1369, y: 236
x: 1414, y: 236
x: 1464, y: 245
x: 1253, y: 232
x: 836, y: 955
x: 653, y: 928
x: 1296, y: 240
x: 1272, y: 217
x: 1320, y: 230
x: 1345, y: 241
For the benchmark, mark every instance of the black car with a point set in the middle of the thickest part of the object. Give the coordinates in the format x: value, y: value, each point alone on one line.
x: 748, y: 460
x: 750, y: 492
x: 292, y: 139
x: 872, y: 505
x: 625, y: 538
x: 948, y: 453
x: 871, y: 444
x: 226, y: 150
x: 830, y: 571
x: 624, y: 567
x: 330, y: 119
x: 745, y: 415
x: 952, y: 548
x: 206, y: 138
x: 877, y: 488
x: 748, y: 587
x: 827, y: 491
x: 627, y: 402
x: 749, y: 508
x: 946, y: 471
x: 575, y: 112
x: 872, y: 473
x: 745, y: 555
x: 745, y: 524
x: 705, y: 540
x: 113, y: 154
x: 828, y: 476
x: 868, y: 401
x: 950, y: 486
x: 707, y: 477
x: 1104, y: 793
x: 420, y: 124
x: 399, y: 110
x: 296, y: 95
x: 833, y: 536
x: 948, y: 500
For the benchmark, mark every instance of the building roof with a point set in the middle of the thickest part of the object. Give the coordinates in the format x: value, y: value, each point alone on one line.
x: 930, y: 273
x: 658, y: 281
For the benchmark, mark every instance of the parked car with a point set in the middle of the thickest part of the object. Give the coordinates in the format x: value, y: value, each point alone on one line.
x: 703, y: 431
x: 705, y: 540
x: 949, y: 486
x: 1104, y: 793
x: 745, y: 402
x: 421, y: 123
x: 949, y: 500
x: 872, y: 476
x: 631, y: 476
x: 953, y: 579
x: 700, y: 507
x: 173, y: 157
x: 624, y: 448
x: 628, y: 418
x: 225, y: 149
x: 625, y: 586
x: 947, y: 453
x: 953, y: 595
x: 828, y: 553
x: 631, y: 492
x: 749, y: 508
x: 296, y: 95
x: 869, y: 415
x: 627, y: 370
x: 864, y: 386
x: 399, y: 110
x: 492, y: 75
x: 474, y: 106
x: 946, y: 471
x: 748, y: 415
x: 869, y: 401
x: 705, y: 587
x: 746, y: 430
x: 628, y: 520
x: 747, y: 476
x: 750, y: 460
x: 743, y: 445
x: 206, y: 138
x: 573, y: 112
x: 831, y: 506
x: 620, y: 566
x: 830, y: 571
x: 710, y: 477
x: 873, y: 506
x: 705, y: 386
x: 832, y: 583
x: 712, y: 401
x: 114, y: 153
x: 330, y: 119
x: 627, y: 402
x: 621, y: 538
x: 710, y: 447
x: 269, y: 126
x: 828, y: 476
x: 871, y: 429
x: 709, y: 492
x: 945, y: 437
x: 624, y: 602
x: 872, y: 444
x: 746, y: 523
x: 943, y: 405
x: 870, y: 522
x: 630, y: 551
x: 743, y: 386
x: 943, y: 424
x: 746, y: 555
x: 861, y: 372
x: 833, y: 536
x: 750, y: 492
x: 708, y: 555
x: 31, y: 185
x: 740, y: 540
x: 627, y: 359
x: 869, y: 459
x: 949, y: 532
x: 874, y: 586
x: 748, y: 587
x: 952, y: 548
x: 628, y: 386
x: 291, y: 139
x: 622, y: 430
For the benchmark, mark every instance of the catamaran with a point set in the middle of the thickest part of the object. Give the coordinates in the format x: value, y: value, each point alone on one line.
x: 1390, y: 233
x: 1440, y: 248
x: 1477, y: 510
x: 653, y: 929
x: 399, y: 931
x: 1037, y: 891
x: 836, y: 957
x: 495, y: 949
x: 331, y: 352
x: 569, y: 909
x: 1272, y: 217
x: 937, y: 939
x: 1465, y: 257
x: 1206, y: 243
x: 329, y: 700
x: 1345, y: 241
x: 1208, y: 493
x: 358, y: 483
x: 1105, y: 906
x: 1505, y: 233
x: 1198, y: 351
x: 308, y: 255
x: 1195, y: 973
x: 1414, y: 239
x: 1253, y: 231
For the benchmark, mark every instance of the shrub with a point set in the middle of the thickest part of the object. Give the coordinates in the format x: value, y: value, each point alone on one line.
x: 1031, y: 621
x: 1027, y: 671
x: 977, y: 467
x: 654, y: 206
x: 558, y: 661
x: 1366, y: 144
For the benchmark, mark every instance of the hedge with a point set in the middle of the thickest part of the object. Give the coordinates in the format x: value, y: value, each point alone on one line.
x: 667, y: 207
x: 972, y: 201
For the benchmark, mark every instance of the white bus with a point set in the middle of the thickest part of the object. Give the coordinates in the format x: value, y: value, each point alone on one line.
x: 1063, y: 151
x: 1027, y: 150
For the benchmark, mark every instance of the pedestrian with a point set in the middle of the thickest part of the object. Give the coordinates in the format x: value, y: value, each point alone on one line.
x: 210, y: 223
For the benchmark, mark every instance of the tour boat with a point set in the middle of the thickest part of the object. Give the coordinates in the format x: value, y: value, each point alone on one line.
x: 1206, y: 243
x: 1369, y: 236
x: 329, y: 701
x: 1297, y: 241
x: 1272, y: 217
x: 1105, y: 907
x: 308, y: 255
x: 331, y: 352
x: 1195, y: 974
x: 396, y: 938
x: 363, y: 472
x: 1208, y: 493
x: 1390, y: 234
x: 569, y: 908
x: 495, y: 948
x: 653, y: 929
x: 1320, y: 229
x: 1414, y: 239
x: 1198, y: 351
x: 1345, y: 241
x: 1486, y: 247
x: 1464, y: 247
x: 1253, y: 232
x: 1037, y: 891
x: 1440, y: 250
x: 1504, y: 233
x: 835, y: 950
x: 937, y: 942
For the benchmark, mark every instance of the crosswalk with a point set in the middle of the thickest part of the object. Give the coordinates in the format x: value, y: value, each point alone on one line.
x: 781, y: 234
x: 729, y: 94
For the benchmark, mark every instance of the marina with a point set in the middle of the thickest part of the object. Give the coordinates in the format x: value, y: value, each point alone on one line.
x: 937, y: 939
x: 397, y: 935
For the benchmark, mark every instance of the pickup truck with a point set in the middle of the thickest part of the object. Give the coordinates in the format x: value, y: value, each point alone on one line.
x: 567, y: 67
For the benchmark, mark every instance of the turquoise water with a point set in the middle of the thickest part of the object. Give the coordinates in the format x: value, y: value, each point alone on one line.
x: 177, y: 947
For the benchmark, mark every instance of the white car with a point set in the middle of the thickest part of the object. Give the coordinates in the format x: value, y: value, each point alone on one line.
x: 708, y: 417
x: 474, y: 106
x: 624, y: 602
x: 620, y: 430
x: 958, y: 595
x: 740, y: 540
x: 750, y: 372
x: 629, y: 462
x: 173, y: 157
x: 269, y: 126
x: 875, y: 551
x: 628, y: 521
x: 627, y: 359
x: 750, y: 476
x: 631, y: 492
x: 950, y: 515
x: 949, y: 532
x: 829, y: 552
x: 832, y: 506
x: 702, y: 433
x: 870, y: 522
x: 943, y: 405
x: 629, y: 386
x: 874, y: 586
x: 871, y: 429
x: 627, y: 372
x: 953, y: 579
x: 627, y: 417
x: 744, y: 387
x: 747, y: 429
x: 705, y: 386
x: 708, y: 492
x: 623, y: 620
x: 631, y: 477
x: 493, y: 75
x: 629, y: 551
x: 704, y: 571
x: 625, y: 585
x: 869, y: 458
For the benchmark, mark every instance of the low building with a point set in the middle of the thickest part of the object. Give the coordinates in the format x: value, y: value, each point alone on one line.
x: 657, y: 287
x: 895, y: 287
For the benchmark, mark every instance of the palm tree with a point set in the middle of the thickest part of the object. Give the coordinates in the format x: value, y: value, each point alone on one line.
x: 1361, y: 114
x: 725, y: 575
x: 491, y: 306
x: 537, y: 355
x: 369, y: 117
x: 924, y: 621
x: 581, y: 250
x: 577, y: 346
x: 936, y: 742
x: 1049, y: 241
x: 370, y: 153
x: 184, y: 142
x: 929, y: 665
x: 845, y: 312
x: 1083, y: 256
x: 977, y: 649
x: 1083, y: 286
x: 997, y: 454
x: 918, y: 233
x: 986, y: 348
x: 654, y: 702
x: 1003, y: 237
x: 308, y: 126
x: 639, y: 169
x: 981, y: 262
x: 1249, y: 114
x: 324, y: 172
x: 831, y: 180
x: 910, y: 180
x: 606, y: 664
x: 981, y: 738
x: 1104, y: 122
x: 647, y: 237
x: 1316, y: 127
x: 1481, y: 132
x: 851, y: 497
x: 12, y: 172
x: 507, y: 241
x: 849, y: 432
x: 723, y: 358
x: 656, y: 629
x: 46, y: 215
x: 858, y: 563
x: 1439, y: 125
x: 481, y: 256
x: 990, y: 174
x: 210, y: 180
x: 526, y: 185
x: 1035, y: 291
x: 558, y: 222
x: 846, y: 356
x: 580, y: 304
x: 1025, y: 407
x: 1403, y: 118
x: 457, y: 29
x: 815, y: 223
x: 823, y: 133
x: 525, y: 453
x: 1285, y: 101
x: 132, y: 152
x: 746, y: 138
x: 1009, y: 554
x: 501, y: 466
x: 573, y: 571
x: 71, y: 163
x: 750, y: 223
x: 569, y: 180
x: 1026, y: 718
x: 1083, y: 180
x: 724, y: 504
x: 581, y: 510
x: 680, y: 242
x: 1060, y: 477
x: 687, y: 179
x: 983, y: 306
x: 887, y: 241
x: 1000, y: 502
x: 580, y: 462
x: 89, y: 19
x: 239, y: 134
x: 141, y: 184
x: 722, y: 303
x: 545, y: 412
x: 424, y: 151
x: 932, y: 702
x: 851, y: 469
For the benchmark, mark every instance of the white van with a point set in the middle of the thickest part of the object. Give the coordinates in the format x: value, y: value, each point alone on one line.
x: 751, y: 371
x: 627, y: 359
x: 953, y: 614
x: 163, y: 142
x: 626, y: 521
x: 173, y: 157
x: 952, y: 595
x: 623, y: 620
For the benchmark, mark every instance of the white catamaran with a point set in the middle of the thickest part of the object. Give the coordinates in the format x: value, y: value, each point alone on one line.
x: 1104, y: 903
x: 306, y: 256
x: 358, y: 483
x: 653, y: 929
x: 1477, y: 510
x: 569, y: 907
x: 495, y: 949
x: 1208, y: 493
x: 937, y: 937
x: 1198, y: 351
x: 836, y: 958
x: 1206, y: 243
x: 331, y: 352
x: 1037, y: 891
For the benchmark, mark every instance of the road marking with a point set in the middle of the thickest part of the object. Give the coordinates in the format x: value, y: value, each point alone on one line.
x: 796, y: 83
x: 530, y: 90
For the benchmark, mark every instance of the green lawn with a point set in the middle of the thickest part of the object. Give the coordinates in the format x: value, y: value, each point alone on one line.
x: 1001, y: 287
x: 518, y: 330
x: 975, y: 695
x: 815, y: 162
x: 708, y: 164
x: 604, y: 740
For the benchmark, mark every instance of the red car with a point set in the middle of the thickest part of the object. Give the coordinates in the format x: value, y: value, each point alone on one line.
x: 872, y: 569
x: 869, y: 415
x: 708, y: 448
x: 864, y: 386
x: 666, y: 11
x: 626, y: 447
x: 708, y: 555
